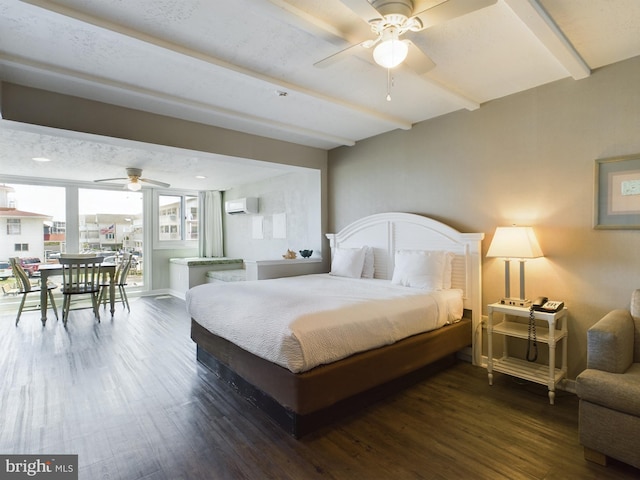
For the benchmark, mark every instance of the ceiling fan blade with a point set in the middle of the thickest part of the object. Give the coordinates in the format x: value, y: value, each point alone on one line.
x: 154, y: 182
x: 336, y: 57
x: 417, y: 60
x: 111, y: 179
x: 449, y: 10
x: 363, y: 9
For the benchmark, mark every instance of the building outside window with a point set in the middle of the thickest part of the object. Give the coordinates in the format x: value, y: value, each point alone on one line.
x: 174, y: 225
x: 27, y: 214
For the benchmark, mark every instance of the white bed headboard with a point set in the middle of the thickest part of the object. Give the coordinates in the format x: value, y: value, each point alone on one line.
x: 389, y: 232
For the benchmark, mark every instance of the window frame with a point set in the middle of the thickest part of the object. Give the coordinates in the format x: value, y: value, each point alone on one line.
x: 181, y: 242
x: 13, y: 224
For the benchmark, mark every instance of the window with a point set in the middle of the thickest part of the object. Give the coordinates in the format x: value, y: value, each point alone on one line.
x: 40, y: 229
x: 169, y: 221
x: 177, y: 218
x: 13, y: 226
x: 191, y: 219
x: 112, y: 222
x: 37, y: 228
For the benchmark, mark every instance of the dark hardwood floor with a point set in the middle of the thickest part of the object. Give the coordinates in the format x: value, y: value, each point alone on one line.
x: 128, y: 397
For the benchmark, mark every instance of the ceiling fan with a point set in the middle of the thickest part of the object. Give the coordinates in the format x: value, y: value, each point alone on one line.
x: 391, y: 19
x: 135, y: 181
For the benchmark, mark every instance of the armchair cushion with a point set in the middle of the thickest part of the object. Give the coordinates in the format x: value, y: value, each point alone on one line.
x: 616, y: 391
x: 610, y: 342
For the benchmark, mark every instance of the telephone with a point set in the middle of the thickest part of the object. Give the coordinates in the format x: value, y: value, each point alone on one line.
x: 543, y: 304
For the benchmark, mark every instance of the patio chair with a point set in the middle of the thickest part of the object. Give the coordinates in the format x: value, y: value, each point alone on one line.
x: 80, y: 277
x: 25, y: 287
x: 121, y: 281
x: 10, y: 291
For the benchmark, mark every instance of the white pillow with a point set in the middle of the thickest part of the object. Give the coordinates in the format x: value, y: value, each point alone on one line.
x: 367, y: 269
x: 419, y: 269
x: 347, y: 262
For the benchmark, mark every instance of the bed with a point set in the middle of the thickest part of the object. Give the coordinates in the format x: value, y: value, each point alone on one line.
x: 306, y: 376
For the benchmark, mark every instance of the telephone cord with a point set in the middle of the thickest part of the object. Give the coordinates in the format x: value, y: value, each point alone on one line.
x: 532, y: 340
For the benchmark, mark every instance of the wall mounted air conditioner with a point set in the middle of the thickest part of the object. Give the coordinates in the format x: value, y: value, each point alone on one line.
x: 241, y: 205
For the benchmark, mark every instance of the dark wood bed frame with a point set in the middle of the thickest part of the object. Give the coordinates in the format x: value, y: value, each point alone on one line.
x: 303, y: 402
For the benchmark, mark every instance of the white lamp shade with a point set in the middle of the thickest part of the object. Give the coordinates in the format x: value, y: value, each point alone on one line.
x: 390, y: 53
x: 514, y: 242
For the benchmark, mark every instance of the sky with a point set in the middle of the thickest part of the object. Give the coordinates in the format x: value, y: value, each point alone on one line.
x: 51, y: 201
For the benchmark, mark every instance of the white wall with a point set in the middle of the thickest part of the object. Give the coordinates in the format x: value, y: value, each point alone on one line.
x: 526, y: 159
x: 298, y: 196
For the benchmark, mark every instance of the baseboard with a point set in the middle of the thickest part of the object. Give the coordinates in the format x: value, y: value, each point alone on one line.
x: 175, y: 293
x: 568, y: 386
x: 162, y: 291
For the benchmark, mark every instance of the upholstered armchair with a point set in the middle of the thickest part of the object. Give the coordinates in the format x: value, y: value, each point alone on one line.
x: 609, y: 389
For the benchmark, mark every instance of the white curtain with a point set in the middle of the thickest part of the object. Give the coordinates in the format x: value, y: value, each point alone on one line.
x: 210, y: 243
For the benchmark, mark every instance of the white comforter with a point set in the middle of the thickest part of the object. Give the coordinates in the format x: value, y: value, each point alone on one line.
x: 302, y: 322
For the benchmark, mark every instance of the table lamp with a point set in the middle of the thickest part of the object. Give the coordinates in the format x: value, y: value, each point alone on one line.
x: 514, y: 242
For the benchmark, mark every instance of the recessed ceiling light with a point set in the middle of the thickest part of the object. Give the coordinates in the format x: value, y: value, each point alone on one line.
x: 200, y: 176
x: 41, y: 159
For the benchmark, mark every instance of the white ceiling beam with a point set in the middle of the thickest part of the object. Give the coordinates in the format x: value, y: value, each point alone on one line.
x: 278, y: 84
x: 531, y: 13
x: 308, y: 22
x: 92, y: 80
x: 450, y: 93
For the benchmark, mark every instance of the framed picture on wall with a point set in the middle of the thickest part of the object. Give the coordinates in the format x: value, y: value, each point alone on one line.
x: 617, y: 193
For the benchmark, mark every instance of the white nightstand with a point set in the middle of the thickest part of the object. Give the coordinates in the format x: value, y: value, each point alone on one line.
x: 555, y: 333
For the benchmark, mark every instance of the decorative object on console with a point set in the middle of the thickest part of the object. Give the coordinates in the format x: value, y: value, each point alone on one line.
x: 514, y: 242
x: 306, y: 253
x: 290, y: 255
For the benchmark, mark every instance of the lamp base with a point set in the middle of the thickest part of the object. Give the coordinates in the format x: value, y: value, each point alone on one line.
x: 516, y: 302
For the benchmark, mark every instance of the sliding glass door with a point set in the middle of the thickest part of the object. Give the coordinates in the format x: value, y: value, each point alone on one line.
x: 41, y: 222
x: 33, y: 224
x: 110, y: 223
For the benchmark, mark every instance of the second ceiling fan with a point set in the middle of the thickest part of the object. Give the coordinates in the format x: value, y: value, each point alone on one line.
x: 135, y: 181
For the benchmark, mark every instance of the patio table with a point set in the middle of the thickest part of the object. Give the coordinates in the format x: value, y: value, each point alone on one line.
x: 49, y: 269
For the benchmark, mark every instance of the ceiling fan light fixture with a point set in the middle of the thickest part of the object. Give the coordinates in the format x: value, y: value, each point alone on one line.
x: 391, y: 51
x: 134, y: 186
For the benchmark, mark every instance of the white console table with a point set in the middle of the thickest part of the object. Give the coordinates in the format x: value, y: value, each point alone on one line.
x: 185, y: 273
x: 263, y: 269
